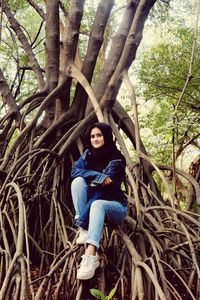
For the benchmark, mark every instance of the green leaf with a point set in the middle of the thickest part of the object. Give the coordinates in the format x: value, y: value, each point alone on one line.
x: 112, y: 292
x: 98, y: 294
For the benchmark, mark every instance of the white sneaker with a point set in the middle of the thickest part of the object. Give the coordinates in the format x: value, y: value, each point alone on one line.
x: 82, y: 236
x: 88, y: 266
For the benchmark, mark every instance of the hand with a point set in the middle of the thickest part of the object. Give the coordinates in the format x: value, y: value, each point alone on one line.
x: 107, y: 181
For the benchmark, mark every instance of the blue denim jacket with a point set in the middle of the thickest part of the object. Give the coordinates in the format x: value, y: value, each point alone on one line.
x: 115, y: 170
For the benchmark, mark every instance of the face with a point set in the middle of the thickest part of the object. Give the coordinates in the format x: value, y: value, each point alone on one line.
x: 96, y: 138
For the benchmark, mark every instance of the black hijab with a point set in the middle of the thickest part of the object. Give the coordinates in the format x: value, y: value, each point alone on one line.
x: 99, y: 158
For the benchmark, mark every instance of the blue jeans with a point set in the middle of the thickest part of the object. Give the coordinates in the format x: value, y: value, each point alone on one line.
x: 100, y: 210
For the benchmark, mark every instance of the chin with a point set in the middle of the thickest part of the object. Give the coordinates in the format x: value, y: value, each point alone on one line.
x: 97, y: 146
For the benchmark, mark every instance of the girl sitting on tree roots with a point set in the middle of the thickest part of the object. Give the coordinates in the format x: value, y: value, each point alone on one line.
x: 96, y: 193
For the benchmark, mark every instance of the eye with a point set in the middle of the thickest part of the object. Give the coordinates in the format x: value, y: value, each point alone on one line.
x: 92, y: 136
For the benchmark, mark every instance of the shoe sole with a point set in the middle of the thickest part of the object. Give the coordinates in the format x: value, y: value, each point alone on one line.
x: 80, y: 243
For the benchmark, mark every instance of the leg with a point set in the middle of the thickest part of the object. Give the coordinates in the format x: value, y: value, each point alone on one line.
x: 113, y: 211
x: 79, y: 190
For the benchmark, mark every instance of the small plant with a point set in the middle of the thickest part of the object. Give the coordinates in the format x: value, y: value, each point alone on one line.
x: 100, y: 295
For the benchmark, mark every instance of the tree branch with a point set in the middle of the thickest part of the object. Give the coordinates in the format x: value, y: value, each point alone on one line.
x: 25, y: 44
x: 37, y: 8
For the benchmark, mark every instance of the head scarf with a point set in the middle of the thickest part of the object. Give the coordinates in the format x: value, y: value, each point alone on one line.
x: 99, y: 158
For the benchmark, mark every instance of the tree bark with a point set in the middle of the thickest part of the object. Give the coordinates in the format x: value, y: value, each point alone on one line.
x: 94, y: 45
x: 52, y: 54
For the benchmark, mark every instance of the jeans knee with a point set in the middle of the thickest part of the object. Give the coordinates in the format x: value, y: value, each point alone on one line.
x: 77, y: 182
x: 98, y: 204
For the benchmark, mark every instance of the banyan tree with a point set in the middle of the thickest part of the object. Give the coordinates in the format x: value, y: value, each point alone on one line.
x: 64, y: 78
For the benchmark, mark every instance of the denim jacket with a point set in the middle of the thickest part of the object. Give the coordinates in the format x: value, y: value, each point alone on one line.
x: 115, y: 170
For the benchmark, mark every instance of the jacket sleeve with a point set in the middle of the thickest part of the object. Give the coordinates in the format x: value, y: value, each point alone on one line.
x: 116, y: 171
x: 92, y: 177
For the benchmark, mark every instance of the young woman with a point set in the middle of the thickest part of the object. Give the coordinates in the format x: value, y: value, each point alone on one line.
x: 96, y: 193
